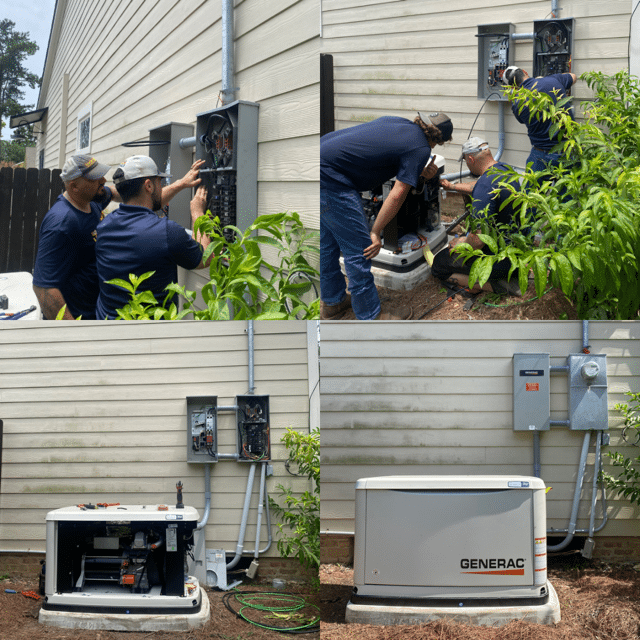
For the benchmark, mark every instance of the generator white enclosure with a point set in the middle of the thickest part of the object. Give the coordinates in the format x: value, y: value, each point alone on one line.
x: 468, y: 538
x: 120, y: 559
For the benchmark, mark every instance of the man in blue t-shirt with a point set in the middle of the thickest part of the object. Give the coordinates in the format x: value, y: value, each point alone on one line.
x: 538, y: 129
x: 65, y: 269
x: 361, y: 158
x: 488, y: 202
x: 133, y: 239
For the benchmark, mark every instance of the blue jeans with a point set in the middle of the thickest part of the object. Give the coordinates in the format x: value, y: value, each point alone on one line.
x: 344, y: 229
x: 541, y: 159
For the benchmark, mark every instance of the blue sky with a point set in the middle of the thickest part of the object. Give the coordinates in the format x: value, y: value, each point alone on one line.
x: 35, y: 18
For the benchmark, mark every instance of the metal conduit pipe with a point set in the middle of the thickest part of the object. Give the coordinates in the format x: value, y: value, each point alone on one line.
x: 231, y: 407
x: 245, y: 517
x: 523, y: 36
x: 585, y: 334
x: 594, y: 486
x: 559, y: 423
x: 185, y: 143
x: 576, y: 496
x: 228, y: 90
x: 207, y: 497
x: 537, y: 468
x: 263, y: 484
x: 251, y: 355
x: 228, y: 456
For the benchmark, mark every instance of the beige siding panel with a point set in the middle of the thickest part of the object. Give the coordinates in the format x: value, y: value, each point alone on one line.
x: 436, y: 398
x: 289, y: 160
x: 100, y: 415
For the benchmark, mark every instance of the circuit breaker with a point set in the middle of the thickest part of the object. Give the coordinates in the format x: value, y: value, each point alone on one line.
x: 227, y: 140
x: 202, y: 438
x: 588, y: 392
x: 165, y: 151
x: 552, y: 46
x: 253, y: 428
x: 494, y: 56
x: 531, y: 392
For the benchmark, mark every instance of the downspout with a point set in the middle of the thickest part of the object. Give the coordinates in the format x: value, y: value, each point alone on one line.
x: 228, y: 80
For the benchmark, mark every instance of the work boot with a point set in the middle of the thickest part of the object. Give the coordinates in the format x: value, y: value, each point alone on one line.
x: 399, y: 313
x: 335, y: 311
x: 503, y: 287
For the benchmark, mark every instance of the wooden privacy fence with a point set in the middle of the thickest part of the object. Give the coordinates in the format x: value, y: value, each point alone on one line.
x: 25, y: 196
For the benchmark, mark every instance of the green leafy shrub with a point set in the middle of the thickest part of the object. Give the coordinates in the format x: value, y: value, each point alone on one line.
x: 300, y: 514
x: 627, y: 483
x: 242, y: 284
x: 588, y: 222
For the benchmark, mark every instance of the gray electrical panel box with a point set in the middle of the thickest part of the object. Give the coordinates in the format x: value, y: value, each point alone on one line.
x: 165, y: 151
x: 588, y: 392
x: 202, y: 436
x: 227, y: 140
x: 531, y: 392
x: 494, y: 56
x: 252, y: 417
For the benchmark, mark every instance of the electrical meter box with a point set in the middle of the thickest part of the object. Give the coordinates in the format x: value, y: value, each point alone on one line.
x: 227, y: 140
x: 165, y: 151
x: 252, y: 417
x: 494, y: 56
x: 120, y: 559
x: 531, y: 392
x: 552, y: 47
x: 450, y: 537
x: 588, y: 407
x: 202, y: 432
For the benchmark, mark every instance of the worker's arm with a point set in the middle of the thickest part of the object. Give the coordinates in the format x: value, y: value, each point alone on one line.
x: 460, y: 187
x: 189, y: 180
x: 388, y: 211
x: 198, y: 207
x: 51, y: 301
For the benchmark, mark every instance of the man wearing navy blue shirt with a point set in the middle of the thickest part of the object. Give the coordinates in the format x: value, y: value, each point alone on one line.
x: 65, y: 269
x: 538, y: 128
x: 361, y: 158
x: 488, y: 202
x: 134, y: 240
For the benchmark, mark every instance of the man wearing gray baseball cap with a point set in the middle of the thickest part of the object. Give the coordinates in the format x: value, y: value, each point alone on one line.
x: 134, y: 240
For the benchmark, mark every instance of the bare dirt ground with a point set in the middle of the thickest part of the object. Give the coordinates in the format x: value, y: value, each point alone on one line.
x: 598, y: 602
x: 430, y: 301
x: 19, y: 618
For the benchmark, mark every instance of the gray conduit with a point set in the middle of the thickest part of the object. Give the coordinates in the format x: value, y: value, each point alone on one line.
x: 576, y: 496
x: 207, y: 497
x: 228, y: 89
x: 263, y: 484
x: 250, y: 338
x: 245, y: 517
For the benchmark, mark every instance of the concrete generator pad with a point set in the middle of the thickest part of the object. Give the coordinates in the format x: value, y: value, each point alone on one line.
x: 128, y: 622
x: 548, y: 613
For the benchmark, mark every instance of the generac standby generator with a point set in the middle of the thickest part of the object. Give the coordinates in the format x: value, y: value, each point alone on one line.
x: 461, y: 541
x: 120, y: 559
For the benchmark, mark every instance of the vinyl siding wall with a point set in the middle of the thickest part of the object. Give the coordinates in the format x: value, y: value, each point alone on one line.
x: 97, y: 413
x: 145, y: 63
x: 394, y: 57
x: 436, y: 398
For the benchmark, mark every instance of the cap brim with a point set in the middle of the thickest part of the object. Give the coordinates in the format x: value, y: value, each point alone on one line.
x: 97, y: 172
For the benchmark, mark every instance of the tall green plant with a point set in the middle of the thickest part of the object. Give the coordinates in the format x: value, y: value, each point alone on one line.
x: 586, y: 210
x: 627, y: 483
x: 242, y: 283
x: 300, y: 514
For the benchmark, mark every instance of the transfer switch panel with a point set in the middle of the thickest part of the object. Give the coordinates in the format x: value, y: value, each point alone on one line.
x: 494, y: 56
x: 531, y: 392
x: 202, y: 438
x: 253, y: 428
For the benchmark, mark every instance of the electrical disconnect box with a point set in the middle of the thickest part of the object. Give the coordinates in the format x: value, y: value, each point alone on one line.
x: 494, y: 56
x: 418, y: 221
x: 531, y: 392
x: 202, y: 438
x: 165, y: 151
x: 441, y: 537
x: 588, y: 392
x: 552, y: 46
x: 227, y: 140
x: 120, y: 559
x: 253, y: 428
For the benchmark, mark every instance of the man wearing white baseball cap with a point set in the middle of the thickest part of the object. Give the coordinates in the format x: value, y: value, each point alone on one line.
x: 134, y: 240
